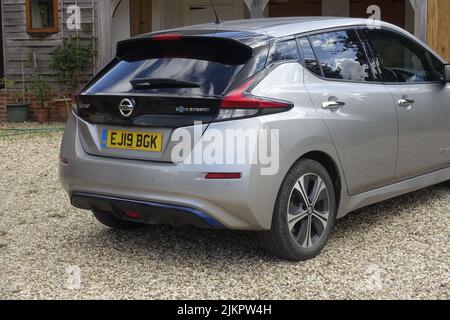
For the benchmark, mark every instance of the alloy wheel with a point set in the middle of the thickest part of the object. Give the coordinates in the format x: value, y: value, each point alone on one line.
x: 308, y: 210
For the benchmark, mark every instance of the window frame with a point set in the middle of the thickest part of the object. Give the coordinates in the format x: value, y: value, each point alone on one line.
x: 302, y: 56
x: 355, y: 28
x: 49, y: 30
x: 374, y: 54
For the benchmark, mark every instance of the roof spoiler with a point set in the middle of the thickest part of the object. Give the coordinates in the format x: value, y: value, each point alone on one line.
x: 227, y: 50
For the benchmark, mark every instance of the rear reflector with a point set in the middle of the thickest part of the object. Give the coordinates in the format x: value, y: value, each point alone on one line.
x: 223, y: 176
x: 239, y: 98
x: 133, y: 215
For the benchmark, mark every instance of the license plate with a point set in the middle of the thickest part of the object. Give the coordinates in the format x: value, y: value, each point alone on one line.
x: 134, y: 141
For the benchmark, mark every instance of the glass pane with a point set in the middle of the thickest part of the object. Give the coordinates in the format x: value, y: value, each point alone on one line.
x: 212, y: 64
x: 403, y: 60
x: 286, y: 50
x: 341, y: 56
x: 309, y: 58
x: 42, y: 14
x: 213, y: 78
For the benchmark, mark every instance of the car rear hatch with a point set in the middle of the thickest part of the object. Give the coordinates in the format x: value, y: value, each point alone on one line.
x: 158, y: 83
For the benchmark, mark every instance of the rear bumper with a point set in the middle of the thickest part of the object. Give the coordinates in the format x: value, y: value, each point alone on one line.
x: 241, y: 204
x: 149, y: 212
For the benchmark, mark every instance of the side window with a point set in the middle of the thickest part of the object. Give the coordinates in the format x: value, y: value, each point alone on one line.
x: 309, y: 58
x: 283, y: 51
x: 403, y: 60
x: 341, y: 56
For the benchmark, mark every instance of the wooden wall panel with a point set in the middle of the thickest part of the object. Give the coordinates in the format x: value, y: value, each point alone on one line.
x: 438, y: 31
x: 392, y: 11
x: 140, y: 17
x: 17, y: 41
x: 291, y: 8
x: 1, y: 45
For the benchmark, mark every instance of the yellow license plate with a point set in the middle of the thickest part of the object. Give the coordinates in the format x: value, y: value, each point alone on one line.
x: 136, y: 141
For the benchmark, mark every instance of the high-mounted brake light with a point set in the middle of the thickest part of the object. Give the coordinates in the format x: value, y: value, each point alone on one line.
x: 167, y: 37
x: 239, y: 98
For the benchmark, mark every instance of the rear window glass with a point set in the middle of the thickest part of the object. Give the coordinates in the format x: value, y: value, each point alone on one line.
x: 212, y: 78
x: 211, y: 65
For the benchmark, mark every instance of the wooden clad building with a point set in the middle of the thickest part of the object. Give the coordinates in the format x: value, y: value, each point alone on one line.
x: 39, y: 26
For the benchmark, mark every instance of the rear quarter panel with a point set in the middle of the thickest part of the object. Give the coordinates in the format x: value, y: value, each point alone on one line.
x: 301, y: 130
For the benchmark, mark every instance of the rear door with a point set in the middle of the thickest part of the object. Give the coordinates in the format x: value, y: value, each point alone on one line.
x: 357, y: 109
x: 156, y: 85
x: 413, y: 74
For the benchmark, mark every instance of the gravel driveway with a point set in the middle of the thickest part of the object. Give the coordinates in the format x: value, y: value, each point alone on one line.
x: 397, y: 249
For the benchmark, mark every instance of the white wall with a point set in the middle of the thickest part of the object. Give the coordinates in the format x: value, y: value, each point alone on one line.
x: 340, y: 8
x: 121, y: 22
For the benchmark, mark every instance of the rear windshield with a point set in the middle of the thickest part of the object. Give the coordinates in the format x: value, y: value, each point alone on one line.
x: 189, y: 66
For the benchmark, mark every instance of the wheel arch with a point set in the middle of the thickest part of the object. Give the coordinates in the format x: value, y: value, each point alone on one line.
x: 331, y: 166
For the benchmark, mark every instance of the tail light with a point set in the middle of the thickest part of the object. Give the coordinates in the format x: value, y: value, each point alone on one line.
x: 240, y: 103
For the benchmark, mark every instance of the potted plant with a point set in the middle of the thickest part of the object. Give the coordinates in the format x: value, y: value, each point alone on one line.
x: 41, y: 90
x: 17, y: 111
x: 70, y: 61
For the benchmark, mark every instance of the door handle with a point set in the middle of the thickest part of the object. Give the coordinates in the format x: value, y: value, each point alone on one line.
x: 406, y: 102
x: 331, y: 105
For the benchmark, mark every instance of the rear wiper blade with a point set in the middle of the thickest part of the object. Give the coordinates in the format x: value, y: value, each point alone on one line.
x: 140, y: 84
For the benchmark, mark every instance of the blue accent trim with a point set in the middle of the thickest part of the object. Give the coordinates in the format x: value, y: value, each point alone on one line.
x: 104, y: 138
x: 212, y: 222
x: 203, y: 216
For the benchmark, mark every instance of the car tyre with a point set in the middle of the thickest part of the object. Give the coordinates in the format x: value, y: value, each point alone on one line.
x: 301, y: 228
x: 108, y: 220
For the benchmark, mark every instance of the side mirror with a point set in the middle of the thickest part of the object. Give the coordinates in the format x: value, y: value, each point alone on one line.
x: 447, y: 73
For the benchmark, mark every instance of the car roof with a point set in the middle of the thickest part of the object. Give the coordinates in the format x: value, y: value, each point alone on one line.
x: 280, y: 27
x: 243, y: 30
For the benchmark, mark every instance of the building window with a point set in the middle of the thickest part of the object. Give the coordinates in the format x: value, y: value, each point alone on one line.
x: 42, y: 16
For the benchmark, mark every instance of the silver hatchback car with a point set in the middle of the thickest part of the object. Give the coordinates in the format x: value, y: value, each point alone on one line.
x: 355, y: 114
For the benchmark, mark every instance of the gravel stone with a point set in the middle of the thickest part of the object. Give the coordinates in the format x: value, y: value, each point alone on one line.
x: 398, y: 249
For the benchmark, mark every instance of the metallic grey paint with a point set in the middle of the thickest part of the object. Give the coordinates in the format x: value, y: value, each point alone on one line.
x: 381, y: 149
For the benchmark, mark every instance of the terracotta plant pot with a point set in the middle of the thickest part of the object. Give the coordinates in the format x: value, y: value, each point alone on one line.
x: 63, y: 112
x: 17, y: 112
x: 42, y: 115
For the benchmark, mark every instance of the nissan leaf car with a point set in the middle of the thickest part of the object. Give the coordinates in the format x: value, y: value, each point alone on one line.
x: 355, y: 113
